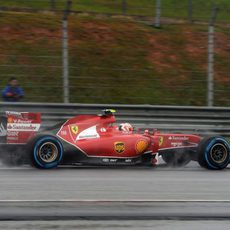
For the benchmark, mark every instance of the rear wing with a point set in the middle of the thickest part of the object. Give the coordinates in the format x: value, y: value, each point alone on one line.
x: 19, y: 127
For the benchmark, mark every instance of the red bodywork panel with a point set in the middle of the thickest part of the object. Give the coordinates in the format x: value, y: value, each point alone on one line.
x: 171, y: 141
x: 96, y: 136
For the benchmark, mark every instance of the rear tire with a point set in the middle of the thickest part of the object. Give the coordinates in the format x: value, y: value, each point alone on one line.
x: 45, y: 152
x: 213, y: 153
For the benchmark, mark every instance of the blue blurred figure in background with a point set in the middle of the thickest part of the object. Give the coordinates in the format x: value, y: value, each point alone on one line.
x: 12, y: 92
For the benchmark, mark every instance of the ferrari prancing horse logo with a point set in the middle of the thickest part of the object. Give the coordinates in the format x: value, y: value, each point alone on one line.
x: 161, y: 140
x: 119, y: 147
x: 74, y: 129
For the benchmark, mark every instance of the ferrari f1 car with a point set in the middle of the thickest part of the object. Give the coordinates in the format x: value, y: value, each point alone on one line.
x: 96, y: 140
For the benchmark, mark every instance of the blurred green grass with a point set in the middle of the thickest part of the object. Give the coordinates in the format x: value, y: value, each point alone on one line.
x: 111, y: 60
x: 177, y: 9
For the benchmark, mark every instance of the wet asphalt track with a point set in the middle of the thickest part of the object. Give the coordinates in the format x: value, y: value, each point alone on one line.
x: 105, y: 196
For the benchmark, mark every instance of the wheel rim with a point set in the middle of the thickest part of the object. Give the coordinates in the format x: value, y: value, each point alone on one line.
x: 48, y: 152
x: 219, y: 153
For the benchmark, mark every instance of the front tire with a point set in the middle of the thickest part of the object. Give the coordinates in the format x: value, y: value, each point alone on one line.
x: 213, y: 153
x: 45, y: 152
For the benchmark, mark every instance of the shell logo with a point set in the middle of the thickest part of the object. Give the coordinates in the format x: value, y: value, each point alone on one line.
x: 141, y: 146
x: 10, y: 120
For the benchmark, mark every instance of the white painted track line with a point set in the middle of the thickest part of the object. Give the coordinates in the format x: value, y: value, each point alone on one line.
x: 117, y: 201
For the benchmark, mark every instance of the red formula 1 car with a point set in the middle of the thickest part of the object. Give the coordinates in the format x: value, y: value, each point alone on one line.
x: 96, y: 140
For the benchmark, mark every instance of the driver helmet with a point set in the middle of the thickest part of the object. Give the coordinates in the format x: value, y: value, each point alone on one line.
x: 126, y: 127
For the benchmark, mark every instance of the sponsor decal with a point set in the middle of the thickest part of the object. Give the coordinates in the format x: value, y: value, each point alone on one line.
x: 64, y: 132
x: 178, y: 138
x: 8, y: 113
x: 89, y: 136
x: 106, y: 160
x: 19, y: 121
x: 2, y: 130
x: 161, y: 140
x: 141, y: 146
x: 113, y: 160
x: 23, y: 127
x: 128, y: 160
x: 119, y: 147
x: 103, y: 130
x: 10, y: 120
x: 88, y: 133
x: 176, y: 144
x: 74, y: 129
x: 12, y: 134
x: 12, y: 138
